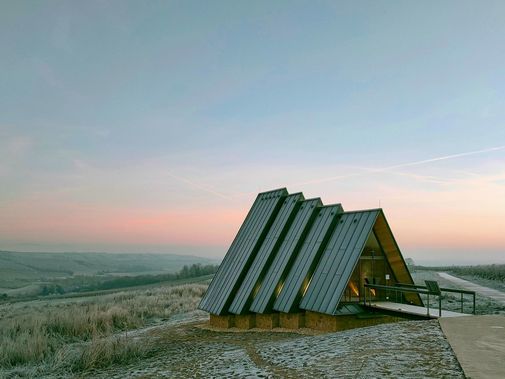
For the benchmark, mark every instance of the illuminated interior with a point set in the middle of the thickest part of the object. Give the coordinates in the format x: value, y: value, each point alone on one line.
x: 373, y: 268
x: 278, y: 289
x: 306, y: 286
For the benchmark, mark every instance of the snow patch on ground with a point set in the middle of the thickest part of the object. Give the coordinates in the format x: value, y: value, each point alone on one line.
x: 187, y: 350
x: 407, y: 349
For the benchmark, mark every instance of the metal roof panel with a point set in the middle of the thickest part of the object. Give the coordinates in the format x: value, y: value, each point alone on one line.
x: 298, y: 278
x: 278, y: 270
x: 266, y: 253
x: 340, y: 257
x: 242, y: 251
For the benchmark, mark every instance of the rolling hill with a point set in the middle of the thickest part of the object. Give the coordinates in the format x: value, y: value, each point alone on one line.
x: 20, y: 269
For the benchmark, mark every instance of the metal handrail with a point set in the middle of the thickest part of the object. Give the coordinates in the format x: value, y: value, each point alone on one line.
x: 403, y: 289
x: 413, y: 288
x: 441, y: 288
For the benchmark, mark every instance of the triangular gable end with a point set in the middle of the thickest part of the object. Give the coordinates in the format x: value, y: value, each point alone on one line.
x: 380, y: 262
x: 362, y: 248
x: 394, y: 256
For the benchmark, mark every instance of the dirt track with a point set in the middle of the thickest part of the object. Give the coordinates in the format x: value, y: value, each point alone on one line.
x: 496, y: 295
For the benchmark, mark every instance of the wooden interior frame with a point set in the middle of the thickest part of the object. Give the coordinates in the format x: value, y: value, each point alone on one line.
x: 394, y: 257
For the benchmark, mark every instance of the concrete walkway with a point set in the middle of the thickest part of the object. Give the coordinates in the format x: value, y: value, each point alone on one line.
x: 479, y: 344
x: 481, y: 290
x: 414, y: 310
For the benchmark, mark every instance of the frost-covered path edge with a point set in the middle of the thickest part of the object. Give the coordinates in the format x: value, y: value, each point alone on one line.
x: 470, y: 286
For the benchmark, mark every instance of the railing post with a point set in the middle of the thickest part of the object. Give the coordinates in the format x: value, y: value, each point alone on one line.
x: 439, y: 306
x: 364, y: 295
x: 428, y: 309
x: 473, y: 303
x: 461, y: 302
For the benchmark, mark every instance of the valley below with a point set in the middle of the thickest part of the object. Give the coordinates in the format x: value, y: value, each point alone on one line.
x: 155, y: 331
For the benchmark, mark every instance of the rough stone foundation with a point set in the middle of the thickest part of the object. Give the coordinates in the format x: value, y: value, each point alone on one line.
x: 224, y: 322
x: 292, y: 320
x: 245, y: 321
x: 267, y: 321
x: 320, y: 321
x: 311, y: 320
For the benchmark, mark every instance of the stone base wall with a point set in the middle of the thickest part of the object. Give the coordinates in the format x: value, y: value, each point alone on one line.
x: 323, y: 322
x: 224, y: 322
x: 319, y: 321
x: 311, y: 320
x: 292, y: 320
x: 245, y: 321
x: 267, y: 321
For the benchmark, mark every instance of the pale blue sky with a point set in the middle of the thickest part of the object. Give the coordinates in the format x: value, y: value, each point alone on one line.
x: 146, y: 109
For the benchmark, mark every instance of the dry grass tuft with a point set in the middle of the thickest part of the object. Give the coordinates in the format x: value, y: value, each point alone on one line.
x: 101, y: 352
x: 83, y: 335
x: 105, y: 352
x: 24, y: 346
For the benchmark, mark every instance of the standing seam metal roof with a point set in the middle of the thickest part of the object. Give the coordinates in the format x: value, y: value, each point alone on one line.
x: 242, y: 251
x: 265, y: 254
x: 246, y: 248
x: 292, y: 254
x: 308, y: 256
x: 282, y: 262
x: 338, y: 262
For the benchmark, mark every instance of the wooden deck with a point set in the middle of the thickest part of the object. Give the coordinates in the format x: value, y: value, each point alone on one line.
x: 413, y: 309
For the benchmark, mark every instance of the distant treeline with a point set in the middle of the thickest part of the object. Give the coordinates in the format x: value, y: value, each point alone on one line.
x: 193, y: 271
x: 86, y: 283
x: 491, y: 272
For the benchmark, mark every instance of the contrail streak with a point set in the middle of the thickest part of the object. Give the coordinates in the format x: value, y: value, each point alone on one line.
x: 408, y: 164
x: 452, y: 156
x: 197, y: 185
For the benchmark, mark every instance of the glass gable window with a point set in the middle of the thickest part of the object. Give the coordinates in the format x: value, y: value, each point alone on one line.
x: 372, y: 268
